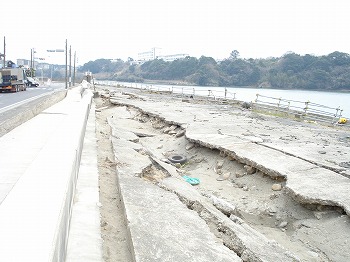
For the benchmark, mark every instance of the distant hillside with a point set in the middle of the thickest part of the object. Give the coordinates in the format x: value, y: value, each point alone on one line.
x: 291, y: 71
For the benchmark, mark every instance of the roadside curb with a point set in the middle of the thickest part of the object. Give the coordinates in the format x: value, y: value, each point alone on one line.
x: 35, y: 215
x: 85, y: 242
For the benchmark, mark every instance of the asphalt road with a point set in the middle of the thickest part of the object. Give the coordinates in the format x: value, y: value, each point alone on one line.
x: 11, y: 100
x: 17, y: 108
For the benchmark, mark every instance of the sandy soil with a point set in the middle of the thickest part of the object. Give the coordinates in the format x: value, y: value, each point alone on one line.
x: 314, y: 233
x: 113, y: 227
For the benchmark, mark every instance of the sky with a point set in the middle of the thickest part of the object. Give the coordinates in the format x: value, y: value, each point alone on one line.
x: 113, y: 29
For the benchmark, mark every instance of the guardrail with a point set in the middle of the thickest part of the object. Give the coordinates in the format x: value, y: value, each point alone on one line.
x: 184, y: 91
x: 209, y: 93
x: 300, y: 109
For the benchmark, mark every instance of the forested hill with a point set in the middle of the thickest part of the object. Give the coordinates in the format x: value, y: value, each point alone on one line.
x: 291, y: 71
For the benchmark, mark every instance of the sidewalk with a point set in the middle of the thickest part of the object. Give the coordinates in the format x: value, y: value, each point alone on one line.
x: 39, y: 167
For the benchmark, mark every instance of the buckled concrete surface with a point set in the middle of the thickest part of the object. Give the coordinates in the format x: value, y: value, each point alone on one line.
x: 168, y: 219
x: 320, y: 165
x: 161, y: 227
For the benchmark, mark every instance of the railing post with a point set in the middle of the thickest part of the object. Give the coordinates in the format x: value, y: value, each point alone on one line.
x: 306, y: 106
x: 225, y: 92
x: 279, y: 102
x: 336, y: 112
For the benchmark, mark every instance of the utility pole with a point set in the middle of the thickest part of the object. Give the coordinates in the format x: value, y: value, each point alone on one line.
x: 66, y: 66
x: 31, y: 58
x: 4, y: 55
x: 75, y: 55
x: 70, y: 66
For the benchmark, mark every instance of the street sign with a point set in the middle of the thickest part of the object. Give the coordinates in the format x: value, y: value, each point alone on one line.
x: 55, y: 50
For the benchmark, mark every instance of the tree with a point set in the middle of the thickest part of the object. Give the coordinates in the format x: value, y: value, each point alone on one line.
x: 234, y: 55
x: 240, y: 72
x: 339, y: 59
x: 292, y: 63
x: 182, y: 68
x: 155, y: 69
x: 97, y: 66
x: 331, y: 72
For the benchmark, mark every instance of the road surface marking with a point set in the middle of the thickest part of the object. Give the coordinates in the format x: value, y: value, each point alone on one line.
x: 21, y: 102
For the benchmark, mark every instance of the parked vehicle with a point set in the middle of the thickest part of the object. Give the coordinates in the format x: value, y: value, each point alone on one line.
x: 13, y: 79
x: 32, y: 82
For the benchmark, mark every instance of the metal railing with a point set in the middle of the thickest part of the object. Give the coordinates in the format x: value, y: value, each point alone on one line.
x: 302, y: 109
x: 188, y: 91
x: 183, y: 91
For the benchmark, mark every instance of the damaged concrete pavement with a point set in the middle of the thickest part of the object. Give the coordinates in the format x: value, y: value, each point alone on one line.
x: 270, y: 189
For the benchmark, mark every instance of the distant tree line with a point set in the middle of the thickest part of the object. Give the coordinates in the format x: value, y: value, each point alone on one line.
x: 291, y: 71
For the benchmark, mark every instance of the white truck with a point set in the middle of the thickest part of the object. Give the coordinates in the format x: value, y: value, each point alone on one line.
x: 13, y: 79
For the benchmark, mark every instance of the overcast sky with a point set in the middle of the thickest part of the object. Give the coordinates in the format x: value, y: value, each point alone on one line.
x: 121, y: 29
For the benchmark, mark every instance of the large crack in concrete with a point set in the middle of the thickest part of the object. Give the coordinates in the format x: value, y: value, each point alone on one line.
x: 296, y: 194
x: 156, y: 172
x: 258, y: 248
x: 216, y: 219
x: 229, y: 238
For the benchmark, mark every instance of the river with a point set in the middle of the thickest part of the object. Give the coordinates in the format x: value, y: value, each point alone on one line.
x: 332, y: 100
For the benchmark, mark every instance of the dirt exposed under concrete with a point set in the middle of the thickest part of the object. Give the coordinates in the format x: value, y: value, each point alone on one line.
x: 314, y: 233
x: 113, y: 227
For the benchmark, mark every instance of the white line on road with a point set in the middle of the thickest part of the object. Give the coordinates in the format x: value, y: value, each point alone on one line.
x: 22, y: 102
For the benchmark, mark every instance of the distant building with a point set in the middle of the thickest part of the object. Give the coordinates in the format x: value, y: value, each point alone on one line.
x: 155, y: 53
x: 26, y: 63
x: 23, y: 62
x: 170, y: 58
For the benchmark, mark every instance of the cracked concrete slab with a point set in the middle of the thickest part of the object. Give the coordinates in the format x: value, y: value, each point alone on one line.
x: 260, y: 207
x: 215, y: 133
x: 155, y: 234
x: 157, y: 231
x: 244, y: 240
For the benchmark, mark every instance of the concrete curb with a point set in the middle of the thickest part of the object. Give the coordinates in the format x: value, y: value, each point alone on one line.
x: 85, y: 242
x: 35, y: 215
